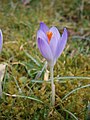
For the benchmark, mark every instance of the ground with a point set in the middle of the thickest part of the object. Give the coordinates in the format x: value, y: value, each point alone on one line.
x: 26, y: 95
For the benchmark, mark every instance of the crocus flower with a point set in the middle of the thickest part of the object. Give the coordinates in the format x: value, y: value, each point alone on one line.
x: 50, y: 43
x: 1, y: 40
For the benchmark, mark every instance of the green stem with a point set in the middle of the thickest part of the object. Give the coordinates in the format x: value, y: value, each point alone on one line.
x: 52, y: 86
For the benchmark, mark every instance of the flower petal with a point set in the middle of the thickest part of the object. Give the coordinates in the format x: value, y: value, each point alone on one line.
x: 61, y: 43
x: 53, y: 45
x: 41, y: 34
x: 55, y: 32
x: 45, y: 49
x: 1, y: 40
x: 44, y: 27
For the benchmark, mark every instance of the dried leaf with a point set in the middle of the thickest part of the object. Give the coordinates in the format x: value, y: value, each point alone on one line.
x: 2, y: 71
x: 46, y: 75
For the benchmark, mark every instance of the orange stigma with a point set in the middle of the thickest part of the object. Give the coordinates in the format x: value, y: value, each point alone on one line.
x: 49, y: 35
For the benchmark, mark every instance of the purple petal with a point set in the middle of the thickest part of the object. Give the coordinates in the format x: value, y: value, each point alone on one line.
x: 45, y: 49
x: 55, y: 32
x: 41, y: 34
x: 53, y: 44
x: 61, y: 44
x: 1, y: 40
x: 44, y: 27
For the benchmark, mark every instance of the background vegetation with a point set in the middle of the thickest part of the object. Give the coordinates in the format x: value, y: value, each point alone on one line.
x: 26, y: 95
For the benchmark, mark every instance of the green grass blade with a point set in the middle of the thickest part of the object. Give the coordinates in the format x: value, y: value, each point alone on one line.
x: 72, y: 77
x: 71, y: 114
x: 75, y: 91
x: 23, y: 96
x: 33, y: 59
x: 62, y: 79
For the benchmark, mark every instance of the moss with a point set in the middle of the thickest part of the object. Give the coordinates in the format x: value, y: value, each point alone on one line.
x: 19, y: 25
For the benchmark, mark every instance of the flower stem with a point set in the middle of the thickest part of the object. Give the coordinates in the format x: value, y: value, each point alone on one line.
x: 52, y: 85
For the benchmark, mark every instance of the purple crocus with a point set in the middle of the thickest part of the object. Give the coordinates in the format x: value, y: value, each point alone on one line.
x: 1, y: 40
x: 50, y: 43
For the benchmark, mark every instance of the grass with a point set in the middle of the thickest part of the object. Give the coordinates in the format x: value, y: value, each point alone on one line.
x: 26, y: 96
